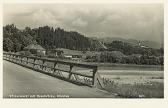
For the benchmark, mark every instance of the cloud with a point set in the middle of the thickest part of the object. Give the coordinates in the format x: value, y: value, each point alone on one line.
x: 136, y: 21
x: 79, y: 22
x: 111, y: 18
x: 43, y: 16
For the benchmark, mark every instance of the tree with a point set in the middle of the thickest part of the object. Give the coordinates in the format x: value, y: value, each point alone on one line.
x: 7, y: 44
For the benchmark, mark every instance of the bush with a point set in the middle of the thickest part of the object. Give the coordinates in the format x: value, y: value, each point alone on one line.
x: 112, y: 56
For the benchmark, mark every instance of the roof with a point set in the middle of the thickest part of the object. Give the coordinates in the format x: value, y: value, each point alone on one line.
x: 102, y: 45
x: 34, y: 46
x: 92, y: 53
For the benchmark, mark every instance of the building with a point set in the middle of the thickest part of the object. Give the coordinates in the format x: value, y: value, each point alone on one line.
x: 54, y: 53
x: 35, y: 49
x: 142, y: 46
x: 66, y: 53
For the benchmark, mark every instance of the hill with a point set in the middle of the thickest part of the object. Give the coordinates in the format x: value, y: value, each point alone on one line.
x: 48, y: 37
x: 134, y: 42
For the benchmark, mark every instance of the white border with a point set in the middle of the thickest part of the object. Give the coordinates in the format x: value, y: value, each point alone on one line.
x: 86, y: 102
x: 83, y: 1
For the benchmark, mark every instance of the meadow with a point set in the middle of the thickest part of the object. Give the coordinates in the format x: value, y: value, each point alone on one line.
x: 136, y: 90
x: 132, y: 83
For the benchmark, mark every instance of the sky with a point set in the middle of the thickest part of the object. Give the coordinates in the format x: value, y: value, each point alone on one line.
x: 128, y: 21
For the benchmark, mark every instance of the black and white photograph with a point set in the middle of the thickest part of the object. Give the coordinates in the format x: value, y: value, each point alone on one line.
x: 83, y: 50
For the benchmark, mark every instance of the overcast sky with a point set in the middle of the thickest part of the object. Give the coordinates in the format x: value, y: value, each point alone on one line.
x: 133, y: 21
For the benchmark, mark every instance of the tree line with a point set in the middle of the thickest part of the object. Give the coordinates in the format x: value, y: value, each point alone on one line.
x: 15, y: 39
x: 125, y: 53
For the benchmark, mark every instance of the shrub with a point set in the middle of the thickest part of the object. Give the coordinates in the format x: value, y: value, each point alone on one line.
x: 112, y: 56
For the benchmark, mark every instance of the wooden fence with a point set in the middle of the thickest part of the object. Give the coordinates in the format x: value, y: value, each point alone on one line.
x: 70, y: 71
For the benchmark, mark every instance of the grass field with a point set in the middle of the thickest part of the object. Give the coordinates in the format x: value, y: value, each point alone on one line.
x: 134, y: 83
x: 132, y: 76
x: 136, y: 90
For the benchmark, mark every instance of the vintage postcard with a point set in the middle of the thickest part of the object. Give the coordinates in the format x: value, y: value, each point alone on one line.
x: 83, y: 50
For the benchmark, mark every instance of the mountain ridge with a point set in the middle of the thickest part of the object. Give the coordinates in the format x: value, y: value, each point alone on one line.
x: 151, y: 44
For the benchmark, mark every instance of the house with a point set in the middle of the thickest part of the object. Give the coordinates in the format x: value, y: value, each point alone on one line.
x: 54, y: 53
x: 35, y: 49
x: 66, y: 53
x: 142, y: 46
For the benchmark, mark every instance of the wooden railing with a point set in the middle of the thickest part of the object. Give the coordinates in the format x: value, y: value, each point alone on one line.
x: 70, y: 71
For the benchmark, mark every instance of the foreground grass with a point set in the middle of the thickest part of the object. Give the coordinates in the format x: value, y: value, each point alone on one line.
x: 148, y: 90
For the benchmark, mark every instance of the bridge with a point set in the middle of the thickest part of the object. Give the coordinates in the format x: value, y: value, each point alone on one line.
x: 35, y: 77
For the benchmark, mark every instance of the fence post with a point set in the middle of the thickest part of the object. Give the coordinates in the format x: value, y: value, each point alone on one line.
x: 14, y: 58
x: 8, y: 57
x: 27, y: 59
x: 18, y: 59
x: 94, y: 77
x: 70, y: 74
x: 54, y: 67
x: 43, y: 64
x: 11, y: 57
x: 34, y: 60
x: 21, y: 59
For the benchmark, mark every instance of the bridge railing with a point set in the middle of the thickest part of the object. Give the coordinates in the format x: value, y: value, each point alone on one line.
x: 70, y: 71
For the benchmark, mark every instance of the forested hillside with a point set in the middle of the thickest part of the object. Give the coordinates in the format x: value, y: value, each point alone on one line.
x: 48, y: 37
x: 149, y: 43
x: 126, y: 53
x: 129, y: 49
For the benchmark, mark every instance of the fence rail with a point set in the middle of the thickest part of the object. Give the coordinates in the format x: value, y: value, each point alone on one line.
x: 69, y: 71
